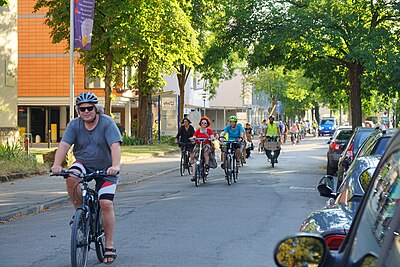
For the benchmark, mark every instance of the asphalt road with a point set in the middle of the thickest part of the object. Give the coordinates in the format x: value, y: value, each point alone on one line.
x: 167, y: 221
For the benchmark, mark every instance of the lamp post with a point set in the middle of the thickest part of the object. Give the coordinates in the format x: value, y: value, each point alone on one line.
x: 394, y: 113
x: 204, y: 104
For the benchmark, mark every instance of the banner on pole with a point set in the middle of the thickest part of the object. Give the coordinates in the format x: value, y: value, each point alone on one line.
x: 83, y: 23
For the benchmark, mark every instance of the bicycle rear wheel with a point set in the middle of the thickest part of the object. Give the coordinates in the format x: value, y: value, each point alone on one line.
x: 100, y: 238
x: 189, y: 166
x: 80, y: 239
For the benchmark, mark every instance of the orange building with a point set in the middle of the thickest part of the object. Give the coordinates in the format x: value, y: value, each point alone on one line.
x: 44, y: 80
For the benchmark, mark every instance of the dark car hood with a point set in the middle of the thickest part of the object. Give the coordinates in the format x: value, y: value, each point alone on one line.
x: 331, y: 219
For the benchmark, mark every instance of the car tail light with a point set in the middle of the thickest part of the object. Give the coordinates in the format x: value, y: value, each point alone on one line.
x: 335, y: 146
x: 350, y: 152
x: 334, y: 241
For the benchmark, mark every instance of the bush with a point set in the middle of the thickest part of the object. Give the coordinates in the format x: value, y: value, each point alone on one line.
x: 11, y: 151
x: 131, y: 140
x: 14, y: 159
x: 169, y: 140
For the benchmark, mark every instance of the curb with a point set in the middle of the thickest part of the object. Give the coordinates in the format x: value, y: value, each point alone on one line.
x: 14, y: 215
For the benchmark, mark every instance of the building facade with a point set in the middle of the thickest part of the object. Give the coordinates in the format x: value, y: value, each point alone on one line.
x: 8, y: 73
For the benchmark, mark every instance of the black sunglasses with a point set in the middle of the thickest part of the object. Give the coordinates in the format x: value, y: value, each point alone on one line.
x: 82, y: 109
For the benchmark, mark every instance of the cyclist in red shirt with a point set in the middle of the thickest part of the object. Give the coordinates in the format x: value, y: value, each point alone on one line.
x: 203, y: 132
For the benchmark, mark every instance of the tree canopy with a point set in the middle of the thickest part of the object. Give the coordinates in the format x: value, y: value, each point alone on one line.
x: 351, y: 44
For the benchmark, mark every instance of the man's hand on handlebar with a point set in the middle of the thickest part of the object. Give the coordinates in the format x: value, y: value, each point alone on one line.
x: 56, y: 169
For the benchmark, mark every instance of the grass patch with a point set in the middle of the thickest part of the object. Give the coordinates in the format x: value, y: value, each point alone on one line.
x: 19, y: 162
x: 146, y: 150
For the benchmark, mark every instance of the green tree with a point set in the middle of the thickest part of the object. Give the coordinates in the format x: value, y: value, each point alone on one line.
x: 162, y: 36
x: 105, y: 57
x: 355, y: 38
x: 150, y: 35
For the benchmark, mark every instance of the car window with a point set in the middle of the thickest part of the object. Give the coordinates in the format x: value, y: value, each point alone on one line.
x: 359, y: 139
x: 363, y: 181
x: 329, y: 122
x: 393, y: 258
x: 365, y: 178
x: 344, y: 136
x: 378, y: 211
x: 380, y: 147
x: 370, y: 142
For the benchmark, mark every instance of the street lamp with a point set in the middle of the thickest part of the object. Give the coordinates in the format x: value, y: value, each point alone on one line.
x: 394, y: 113
x: 204, y: 104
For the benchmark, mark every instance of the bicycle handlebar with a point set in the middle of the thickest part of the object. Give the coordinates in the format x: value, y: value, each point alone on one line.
x: 201, y: 139
x: 83, y: 176
x: 240, y: 139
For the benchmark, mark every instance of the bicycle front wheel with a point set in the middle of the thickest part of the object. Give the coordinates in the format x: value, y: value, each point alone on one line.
x: 182, y: 166
x: 80, y: 239
x: 235, y: 171
x: 100, y: 238
x: 229, y: 170
x: 197, y: 176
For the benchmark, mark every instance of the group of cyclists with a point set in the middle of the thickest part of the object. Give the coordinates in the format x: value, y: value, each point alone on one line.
x: 234, y: 131
x: 96, y: 142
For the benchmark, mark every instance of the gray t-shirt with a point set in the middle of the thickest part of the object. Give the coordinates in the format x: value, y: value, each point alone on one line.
x: 92, y: 148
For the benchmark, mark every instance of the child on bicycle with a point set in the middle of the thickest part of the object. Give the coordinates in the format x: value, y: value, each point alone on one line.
x: 208, y: 149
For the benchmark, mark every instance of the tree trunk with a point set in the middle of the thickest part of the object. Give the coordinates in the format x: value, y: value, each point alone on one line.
x: 107, y: 81
x: 316, y: 111
x: 355, y: 74
x: 182, y: 75
x: 145, y: 103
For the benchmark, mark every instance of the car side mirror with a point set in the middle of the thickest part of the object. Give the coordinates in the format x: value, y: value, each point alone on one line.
x: 301, y: 250
x: 326, y: 186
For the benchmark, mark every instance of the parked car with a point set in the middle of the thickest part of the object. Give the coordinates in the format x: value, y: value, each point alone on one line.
x: 327, y: 126
x: 373, y: 238
x: 333, y: 221
x: 350, y: 150
x: 341, y: 136
x: 374, y: 144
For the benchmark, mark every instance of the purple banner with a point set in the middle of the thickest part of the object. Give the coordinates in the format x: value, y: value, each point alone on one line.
x: 83, y: 23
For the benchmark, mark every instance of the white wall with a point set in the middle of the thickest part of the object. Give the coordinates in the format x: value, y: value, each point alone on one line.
x: 8, y: 65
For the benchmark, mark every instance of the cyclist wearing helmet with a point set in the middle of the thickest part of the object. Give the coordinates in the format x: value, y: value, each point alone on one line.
x: 96, y: 141
x: 273, y: 133
x: 235, y: 132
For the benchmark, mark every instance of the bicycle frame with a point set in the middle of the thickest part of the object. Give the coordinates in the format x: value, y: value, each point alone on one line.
x: 200, y: 168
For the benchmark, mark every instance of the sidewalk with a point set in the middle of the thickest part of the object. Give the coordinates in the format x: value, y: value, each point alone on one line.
x: 25, y: 196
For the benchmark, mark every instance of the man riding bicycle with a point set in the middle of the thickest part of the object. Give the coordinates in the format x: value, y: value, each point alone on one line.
x: 235, y: 132
x: 273, y: 133
x: 96, y: 139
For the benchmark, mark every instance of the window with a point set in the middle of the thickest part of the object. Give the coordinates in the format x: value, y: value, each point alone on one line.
x: 365, y: 178
x: 380, y: 147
